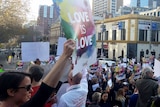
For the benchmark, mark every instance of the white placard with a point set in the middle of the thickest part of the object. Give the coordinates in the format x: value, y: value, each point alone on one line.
x: 156, y: 68
x: 33, y: 50
x: 61, y: 41
x: 109, y: 83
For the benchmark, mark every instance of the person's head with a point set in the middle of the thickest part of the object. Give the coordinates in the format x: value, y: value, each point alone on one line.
x: 37, y: 61
x: 76, y: 79
x: 1, y: 66
x: 108, y: 89
x: 96, y: 97
x: 147, y: 72
x: 120, y: 92
x: 15, y: 87
x: 98, y: 89
x: 36, y: 72
x: 103, y: 70
x: 125, y: 86
x: 104, y: 96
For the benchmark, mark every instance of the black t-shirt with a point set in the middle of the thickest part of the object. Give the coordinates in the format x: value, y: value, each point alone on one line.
x: 40, y: 98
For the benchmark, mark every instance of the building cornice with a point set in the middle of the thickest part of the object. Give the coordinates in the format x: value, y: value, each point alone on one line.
x: 126, y: 17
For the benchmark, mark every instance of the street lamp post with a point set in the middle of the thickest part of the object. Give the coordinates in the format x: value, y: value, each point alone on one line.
x: 103, y: 28
x: 150, y: 47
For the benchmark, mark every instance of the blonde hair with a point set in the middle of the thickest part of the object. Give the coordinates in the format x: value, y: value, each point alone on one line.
x: 96, y: 97
x: 120, y: 95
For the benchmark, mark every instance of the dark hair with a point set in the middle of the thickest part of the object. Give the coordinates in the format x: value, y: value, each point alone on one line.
x: 157, y: 102
x: 37, y: 61
x: 36, y: 72
x: 104, y: 92
x: 1, y: 65
x: 10, y: 80
x: 98, y: 89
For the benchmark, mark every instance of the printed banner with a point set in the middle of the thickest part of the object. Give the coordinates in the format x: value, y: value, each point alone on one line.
x: 78, y: 24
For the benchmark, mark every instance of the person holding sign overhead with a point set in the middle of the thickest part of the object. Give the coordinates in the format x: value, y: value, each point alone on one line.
x: 16, y: 87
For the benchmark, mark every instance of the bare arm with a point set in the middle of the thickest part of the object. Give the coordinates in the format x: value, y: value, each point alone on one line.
x: 56, y: 72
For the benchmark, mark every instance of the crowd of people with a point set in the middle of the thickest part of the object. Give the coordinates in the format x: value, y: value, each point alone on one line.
x: 126, y: 92
x: 129, y: 84
x: 121, y: 85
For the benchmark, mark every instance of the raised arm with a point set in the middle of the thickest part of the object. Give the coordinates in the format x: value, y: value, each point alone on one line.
x: 56, y: 72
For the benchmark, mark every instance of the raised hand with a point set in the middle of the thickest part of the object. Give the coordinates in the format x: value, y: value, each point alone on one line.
x: 69, y: 47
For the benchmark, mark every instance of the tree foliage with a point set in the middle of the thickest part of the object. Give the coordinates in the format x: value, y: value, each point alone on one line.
x: 13, y: 14
x: 30, y: 35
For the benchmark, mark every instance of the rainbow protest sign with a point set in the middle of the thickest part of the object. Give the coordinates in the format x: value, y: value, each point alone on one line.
x: 77, y: 23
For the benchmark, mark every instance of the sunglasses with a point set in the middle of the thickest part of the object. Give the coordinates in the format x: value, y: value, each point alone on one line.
x: 28, y: 87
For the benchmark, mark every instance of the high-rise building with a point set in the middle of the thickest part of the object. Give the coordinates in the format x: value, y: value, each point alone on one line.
x: 133, y: 3
x: 138, y: 3
x: 46, y: 18
x: 103, y: 7
x: 130, y: 10
x: 99, y: 7
x: 119, y: 4
x: 145, y: 3
x: 158, y: 2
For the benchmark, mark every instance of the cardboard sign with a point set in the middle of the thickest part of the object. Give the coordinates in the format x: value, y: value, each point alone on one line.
x: 33, y: 50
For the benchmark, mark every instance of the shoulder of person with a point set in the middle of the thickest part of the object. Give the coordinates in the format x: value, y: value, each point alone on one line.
x: 154, y: 79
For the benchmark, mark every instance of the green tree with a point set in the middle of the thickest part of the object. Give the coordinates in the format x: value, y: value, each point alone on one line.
x: 30, y: 35
x: 13, y: 13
